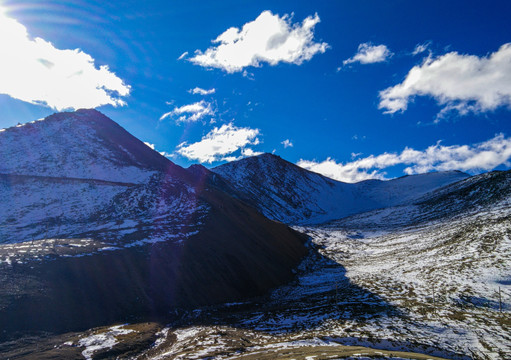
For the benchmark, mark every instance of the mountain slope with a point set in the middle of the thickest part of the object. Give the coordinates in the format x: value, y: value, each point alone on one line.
x: 82, y: 144
x: 288, y: 193
x: 98, y: 227
x: 443, y: 260
x: 434, y: 281
x: 487, y: 192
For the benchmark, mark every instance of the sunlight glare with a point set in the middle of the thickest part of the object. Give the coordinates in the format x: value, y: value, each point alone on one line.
x: 33, y: 70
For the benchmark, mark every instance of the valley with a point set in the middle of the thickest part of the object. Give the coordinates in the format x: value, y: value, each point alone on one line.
x: 255, y: 259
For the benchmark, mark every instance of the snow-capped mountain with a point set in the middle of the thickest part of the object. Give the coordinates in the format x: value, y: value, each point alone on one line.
x: 102, y: 222
x: 82, y: 144
x: 59, y: 176
x: 288, y: 193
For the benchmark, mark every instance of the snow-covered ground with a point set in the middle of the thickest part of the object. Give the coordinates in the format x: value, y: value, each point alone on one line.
x: 444, y: 279
x: 285, y: 192
x: 104, y: 340
x: 398, y: 279
x: 66, y: 145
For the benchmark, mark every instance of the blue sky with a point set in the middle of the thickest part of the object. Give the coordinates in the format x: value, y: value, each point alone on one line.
x: 351, y: 89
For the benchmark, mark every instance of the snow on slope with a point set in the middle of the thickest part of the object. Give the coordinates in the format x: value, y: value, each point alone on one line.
x: 470, y: 196
x: 36, y: 207
x: 444, y: 261
x: 423, y: 277
x: 117, y: 214
x: 288, y: 193
x: 79, y: 174
x: 82, y: 144
x: 285, y: 192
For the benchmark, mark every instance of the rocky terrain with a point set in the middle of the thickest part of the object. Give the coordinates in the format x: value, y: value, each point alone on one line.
x: 288, y: 193
x: 96, y: 227
x: 178, y: 264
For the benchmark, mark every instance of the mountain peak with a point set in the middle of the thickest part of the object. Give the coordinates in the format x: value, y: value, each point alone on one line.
x: 92, y: 115
x: 286, y: 192
x: 79, y: 144
x: 268, y: 155
x: 266, y: 163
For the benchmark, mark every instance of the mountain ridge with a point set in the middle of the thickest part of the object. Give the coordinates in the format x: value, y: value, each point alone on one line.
x: 100, y: 221
x: 43, y: 147
x: 286, y: 192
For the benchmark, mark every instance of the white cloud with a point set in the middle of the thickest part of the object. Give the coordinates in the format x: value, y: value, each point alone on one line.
x: 369, y: 54
x: 348, y: 172
x: 191, y: 112
x: 183, y: 55
x: 287, y: 143
x: 420, y: 48
x: 149, y: 145
x: 231, y: 158
x: 249, y: 152
x: 220, y: 142
x: 167, y: 155
x: 33, y: 70
x: 269, y: 38
x: 460, y: 83
x: 201, y: 91
x: 163, y: 153
x: 478, y: 157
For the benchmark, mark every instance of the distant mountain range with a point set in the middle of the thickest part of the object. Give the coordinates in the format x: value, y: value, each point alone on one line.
x: 98, y: 227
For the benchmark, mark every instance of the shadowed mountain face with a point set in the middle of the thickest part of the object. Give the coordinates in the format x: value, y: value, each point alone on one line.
x: 288, y: 193
x: 97, y: 227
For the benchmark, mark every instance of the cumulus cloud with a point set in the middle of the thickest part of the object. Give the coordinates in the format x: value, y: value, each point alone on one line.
x: 167, y: 155
x: 369, y: 54
x: 287, y: 143
x: 268, y: 39
x: 191, y: 112
x: 460, y: 83
x: 348, y: 172
x: 220, y: 142
x: 470, y: 158
x: 33, y: 70
x: 201, y: 91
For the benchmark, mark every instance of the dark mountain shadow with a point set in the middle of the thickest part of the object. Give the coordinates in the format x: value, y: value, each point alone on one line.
x: 319, y: 294
x: 191, y: 245
x: 117, y: 288
x: 165, y: 282
x: 320, y: 291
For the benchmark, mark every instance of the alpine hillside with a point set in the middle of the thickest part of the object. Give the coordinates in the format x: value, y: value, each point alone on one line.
x: 98, y: 227
x: 293, y: 195
x: 109, y: 250
x: 424, y: 280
